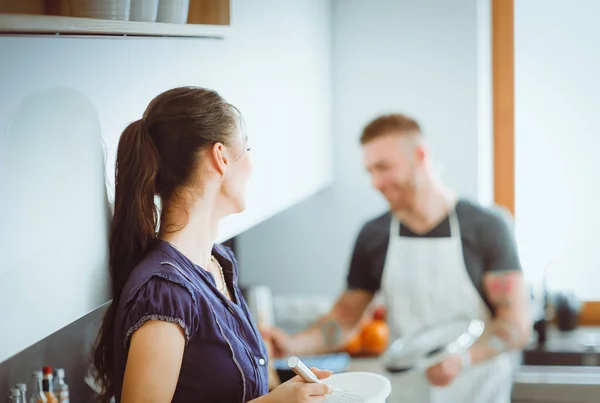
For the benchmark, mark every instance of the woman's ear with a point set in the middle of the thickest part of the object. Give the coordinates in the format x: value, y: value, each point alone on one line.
x: 219, y: 158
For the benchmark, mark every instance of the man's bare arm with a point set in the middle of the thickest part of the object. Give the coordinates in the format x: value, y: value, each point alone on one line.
x: 334, y: 330
x: 512, y: 324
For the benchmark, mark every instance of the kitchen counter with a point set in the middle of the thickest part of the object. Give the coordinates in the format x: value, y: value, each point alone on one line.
x: 536, y: 375
x: 556, y: 384
x: 553, y: 382
x: 575, y: 340
x: 531, y: 383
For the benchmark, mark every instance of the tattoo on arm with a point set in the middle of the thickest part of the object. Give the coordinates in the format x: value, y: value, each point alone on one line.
x: 496, y: 343
x: 500, y: 288
x: 497, y: 339
x: 504, y: 335
x: 332, y: 332
x: 510, y: 328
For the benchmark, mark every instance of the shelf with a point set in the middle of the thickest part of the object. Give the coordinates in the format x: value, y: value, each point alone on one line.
x: 49, y: 24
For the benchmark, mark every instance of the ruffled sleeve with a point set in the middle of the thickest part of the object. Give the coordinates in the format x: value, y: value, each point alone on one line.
x: 161, y: 299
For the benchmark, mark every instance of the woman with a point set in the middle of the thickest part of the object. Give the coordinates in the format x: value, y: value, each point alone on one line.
x: 178, y: 328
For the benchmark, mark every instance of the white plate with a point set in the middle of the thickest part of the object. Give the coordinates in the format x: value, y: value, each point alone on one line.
x: 430, y: 346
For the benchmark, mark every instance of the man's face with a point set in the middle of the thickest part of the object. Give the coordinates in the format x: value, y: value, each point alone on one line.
x: 392, y: 163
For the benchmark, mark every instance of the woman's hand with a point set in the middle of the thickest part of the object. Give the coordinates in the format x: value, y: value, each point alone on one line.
x: 297, y: 391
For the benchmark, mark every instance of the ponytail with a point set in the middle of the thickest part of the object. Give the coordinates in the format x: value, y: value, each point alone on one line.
x: 132, y: 230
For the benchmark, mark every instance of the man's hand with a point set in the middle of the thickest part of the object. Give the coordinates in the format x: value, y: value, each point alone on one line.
x: 444, y: 373
x: 329, y: 333
x: 281, y: 342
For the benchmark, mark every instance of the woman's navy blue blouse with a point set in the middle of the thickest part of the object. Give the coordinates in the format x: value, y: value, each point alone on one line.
x: 225, y: 359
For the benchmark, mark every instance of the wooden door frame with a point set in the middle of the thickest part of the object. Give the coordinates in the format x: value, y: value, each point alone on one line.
x: 503, y: 102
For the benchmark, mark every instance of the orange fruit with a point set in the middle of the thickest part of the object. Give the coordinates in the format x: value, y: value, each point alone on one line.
x: 375, y: 337
x: 354, y: 346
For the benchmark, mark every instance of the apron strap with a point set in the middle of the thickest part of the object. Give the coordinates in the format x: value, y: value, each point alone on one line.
x: 394, y: 226
x: 454, y: 225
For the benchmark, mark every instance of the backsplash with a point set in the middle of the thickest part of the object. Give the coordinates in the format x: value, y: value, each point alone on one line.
x: 295, y: 313
x: 68, y: 348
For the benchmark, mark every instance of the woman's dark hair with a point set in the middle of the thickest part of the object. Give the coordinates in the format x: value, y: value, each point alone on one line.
x: 156, y: 155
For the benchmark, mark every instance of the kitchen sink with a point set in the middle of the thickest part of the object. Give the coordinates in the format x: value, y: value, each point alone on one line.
x: 543, y: 357
x: 577, y: 348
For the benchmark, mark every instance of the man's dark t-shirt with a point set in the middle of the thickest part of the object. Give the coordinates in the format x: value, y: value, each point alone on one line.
x: 487, y: 241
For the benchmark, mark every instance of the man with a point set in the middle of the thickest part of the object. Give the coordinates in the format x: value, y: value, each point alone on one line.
x: 435, y: 258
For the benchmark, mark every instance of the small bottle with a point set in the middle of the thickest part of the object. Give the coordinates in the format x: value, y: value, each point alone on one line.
x: 61, y: 389
x: 37, y: 396
x: 47, y: 385
x: 23, y: 389
x: 14, y: 396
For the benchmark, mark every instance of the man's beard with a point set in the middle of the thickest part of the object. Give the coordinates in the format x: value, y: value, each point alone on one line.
x: 403, y: 197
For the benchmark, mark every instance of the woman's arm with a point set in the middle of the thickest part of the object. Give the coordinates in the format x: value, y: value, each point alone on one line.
x: 153, y: 363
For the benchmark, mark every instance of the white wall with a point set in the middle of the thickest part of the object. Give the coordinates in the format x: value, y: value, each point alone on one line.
x: 61, y: 97
x: 422, y: 58
x: 557, y: 59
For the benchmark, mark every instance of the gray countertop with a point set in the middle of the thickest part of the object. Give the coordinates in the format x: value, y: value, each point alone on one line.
x: 523, y: 374
x: 557, y: 375
x: 546, y: 384
x: 573, y: 384
x: 531, y: 383
x: 574, y: 340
